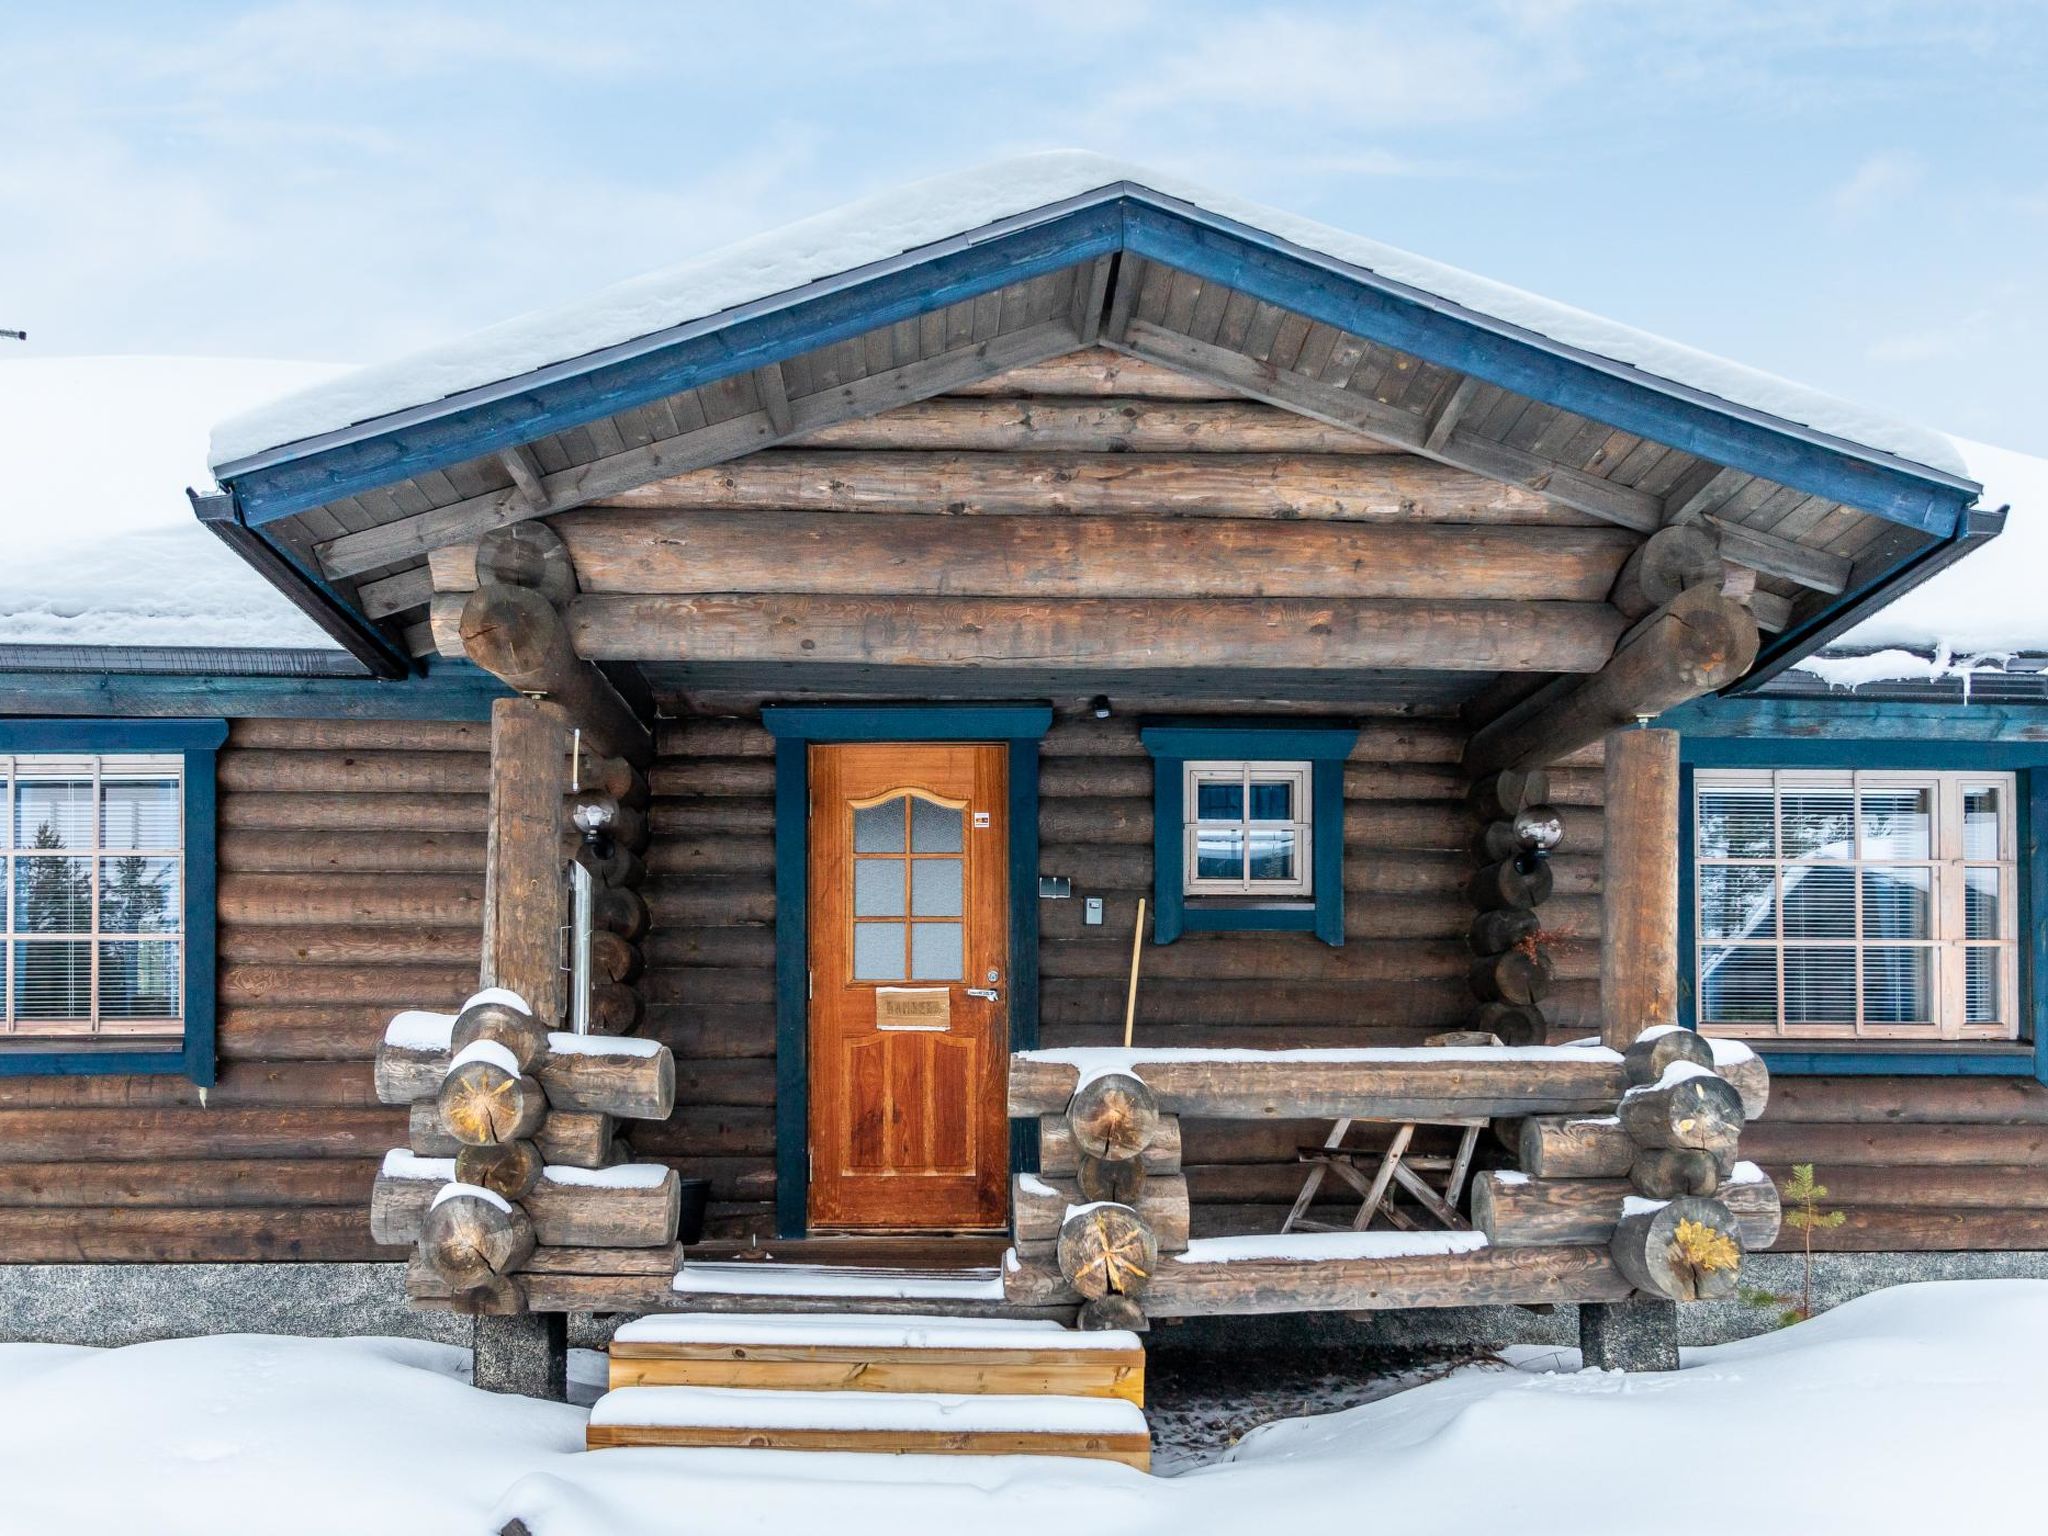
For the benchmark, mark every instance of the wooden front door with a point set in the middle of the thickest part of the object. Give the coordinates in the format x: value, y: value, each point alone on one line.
x: 910, y: 967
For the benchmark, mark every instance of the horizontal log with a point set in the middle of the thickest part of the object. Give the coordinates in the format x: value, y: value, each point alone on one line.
x: 1880, y: 1229
x: 1005, y: 633
x: 188, y: 1183
x: 1380, y: 1015
x: 1367, y: 487
x: 1385, y: 826
x: 955, y: 424
x: 1909, y: 1101
x: 1270, y: 957
x: 712, y: 1032
x: 1488, y: 1277
x: 1775, y: 1143
x: 353, y: 812
x: 369, y: 900
x: 240, y: 1085
x: 1073, y: 557
x: 1401, y: 742
x: 300, y: 1032
x: 564, y: 1214
x: 1098, y: 371
x: 360, y: 735
x: 394, y: 986
x: 718, y: 1131
x: 119, y: 1234
x: 144, y: 1135
x: 1039, y: 1203
x: 1434, y: 907
x: 333, y: 944
x: 1058, y: 1157
x: 385, y: 773
x: 1574, y: 1147
x: 1526, y: 1212
x: 635, y: 1082
x: 1988, y: 1187
x: 569, y: 1138
x: 248, y: 851
x: 1478, y: 1083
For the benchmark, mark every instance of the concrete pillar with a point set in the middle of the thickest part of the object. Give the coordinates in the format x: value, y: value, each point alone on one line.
x: 527, y: 1354
x: 1629, y: 1335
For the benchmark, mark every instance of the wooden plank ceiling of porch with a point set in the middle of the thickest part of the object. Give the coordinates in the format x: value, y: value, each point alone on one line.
x: 1232, y: 408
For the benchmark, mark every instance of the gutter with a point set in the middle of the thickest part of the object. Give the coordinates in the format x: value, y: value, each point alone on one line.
x: 180, y: 660
x: 1976, y: 526
x: 311, y: 596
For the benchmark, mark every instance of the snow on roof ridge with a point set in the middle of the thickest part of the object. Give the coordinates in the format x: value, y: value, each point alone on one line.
x: 889, y: 224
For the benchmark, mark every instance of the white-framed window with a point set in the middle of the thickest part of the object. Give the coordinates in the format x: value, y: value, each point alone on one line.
x: 92, y: 869
x: 1855, y: 905
x: 1248, y: 828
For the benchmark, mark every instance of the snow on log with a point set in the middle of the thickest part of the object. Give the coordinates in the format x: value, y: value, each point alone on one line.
x: 1039, y: 1206
x: 486, y: 1100
x: 1657, y: 1048
x: 1687, y: 1107
x: 1574, y: 1147
x: 1679, y: 1250
x: 1515, y: 1211
x: 470, y: 1237
x: 514, y: 1028
x: 1106, y: 1250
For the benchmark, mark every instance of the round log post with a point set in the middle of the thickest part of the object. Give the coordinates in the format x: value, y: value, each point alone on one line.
x: 514, y: 1028
x: 1520, y: 976
x: 620, y: 911
x: 615, y: 1009
x: 1699, y: 1111
x: 1660, y: 1047
x: 1684, y: 1250
x: 1668, y: 1172
x: 527, y: 554
x: 1113, y: 1116
x: 1512, y: 1023
x: 1107, y: 1250
x: 1501, y: 929
x: 1670, y: 561
x: 1506, y: 794
x: 1118, y: 1180
x: 1108, y: 1314
x: 470, y: 1239
x: 486, y: 1100
x: 508, y: 1168
x: 1521, y: 882
x: 1639, y: 881
x: 514, y: 634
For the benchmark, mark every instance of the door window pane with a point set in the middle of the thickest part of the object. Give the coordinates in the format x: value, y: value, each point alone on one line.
x: 878, y: 951
x: 877, y: 887
x: 879, y: 828
x: 935, y: 887
x: 937, y: 952
x: 936, y: 828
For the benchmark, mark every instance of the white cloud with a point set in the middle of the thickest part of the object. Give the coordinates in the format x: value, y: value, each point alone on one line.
x: 1880, y: 182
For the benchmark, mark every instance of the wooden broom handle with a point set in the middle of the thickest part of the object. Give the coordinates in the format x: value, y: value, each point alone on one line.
x: 1131, y: 1000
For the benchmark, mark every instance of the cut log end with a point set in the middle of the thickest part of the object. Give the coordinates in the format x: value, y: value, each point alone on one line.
x: 481, y: 1105
x: 510, y: 1169
x: 1107, y: 1250
x: 1685, y: 1250
x: 1645, y: 1061
x: 1107, y: 1314
x: 1670, y: 1172
x: 514, y: 1028
x: 1702, y: 1112
x: 1113, y: 1117
x: 471, y: 1242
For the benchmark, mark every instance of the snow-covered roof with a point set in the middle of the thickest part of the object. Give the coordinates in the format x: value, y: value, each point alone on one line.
x: 922, y: 214
x: 102, y: 546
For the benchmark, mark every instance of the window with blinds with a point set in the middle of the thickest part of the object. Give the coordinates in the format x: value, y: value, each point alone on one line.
x: 1856, y: 905
x: 92, y: 871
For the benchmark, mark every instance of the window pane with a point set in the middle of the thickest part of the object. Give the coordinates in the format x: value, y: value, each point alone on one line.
x: 1739, y: 986
x: 1217, y: 801
x: 1272, y: 799
x: 138, y: 979
x: 1737, y: 824
x: 1898, y: 823
x: 1980, y: 823
x: 935, y: 887
x: 1898, y: 903
x: 53, y: 813
x: 1738, y: 901
x: 1818, y: 824
x: 1219, y: 853
x: 139, y: 813
x: 1898, y: 985
x: 1273, y: 853
x: 878, y: 951
x: 937, y: 951
x: 1819, y: 902
x: 935, y: 828
x: 877, y: 887
x: 52, y: 980
x: 1820, y: 986
x: 1982, y: 986
x: 52, y: 895
x: 879, y: 828
x: 1980, y: 903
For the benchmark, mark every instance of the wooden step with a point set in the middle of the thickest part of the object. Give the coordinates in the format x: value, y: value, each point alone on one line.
x: 887, y: 1423
x: 877, y: 1354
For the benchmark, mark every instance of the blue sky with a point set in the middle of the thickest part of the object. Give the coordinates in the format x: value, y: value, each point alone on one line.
x: 1853, y: 194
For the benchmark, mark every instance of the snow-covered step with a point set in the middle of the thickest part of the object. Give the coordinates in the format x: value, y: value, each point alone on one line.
x: 917, y: 1354
x: 888, y: 1423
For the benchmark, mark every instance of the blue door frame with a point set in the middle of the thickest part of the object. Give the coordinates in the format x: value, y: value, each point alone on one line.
x: 796, y: 729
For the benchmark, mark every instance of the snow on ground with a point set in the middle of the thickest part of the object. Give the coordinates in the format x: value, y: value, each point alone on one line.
x: 885, y: 226
x: 1909, y: 1410
x: 102, y: 545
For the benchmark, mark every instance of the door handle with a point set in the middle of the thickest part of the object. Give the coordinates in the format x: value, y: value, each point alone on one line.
x: 988, y: 992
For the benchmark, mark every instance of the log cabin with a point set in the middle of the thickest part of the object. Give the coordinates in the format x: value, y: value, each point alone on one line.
x: 1046, y: 743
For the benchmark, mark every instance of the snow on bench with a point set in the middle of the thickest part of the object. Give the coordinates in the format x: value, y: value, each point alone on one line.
x: 878, y: 1333
x: 1327, y: 1247
x: 873, y: 1412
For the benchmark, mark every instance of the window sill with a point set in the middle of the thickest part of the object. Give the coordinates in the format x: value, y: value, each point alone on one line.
x: 1947, y: 1059
x: 1207, y: 916
x: 59, y: 1058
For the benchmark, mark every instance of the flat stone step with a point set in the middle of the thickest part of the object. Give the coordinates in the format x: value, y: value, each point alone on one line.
x: 886, y: 1423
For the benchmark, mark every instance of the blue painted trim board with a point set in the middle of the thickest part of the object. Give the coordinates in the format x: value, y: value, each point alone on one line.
x: 199, y: 742
x: 796, y: 729
x: 451, y: 690
x: 1857, y: 734
x: 1172, y: 745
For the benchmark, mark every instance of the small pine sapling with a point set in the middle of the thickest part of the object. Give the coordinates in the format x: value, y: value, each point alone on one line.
x: 1803, y: 1197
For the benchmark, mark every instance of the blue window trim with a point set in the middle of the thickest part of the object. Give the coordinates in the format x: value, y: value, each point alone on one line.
x: 795, y: 729
x: 198, y: 741
x: 1828, y: 734
x: 1173, y: 744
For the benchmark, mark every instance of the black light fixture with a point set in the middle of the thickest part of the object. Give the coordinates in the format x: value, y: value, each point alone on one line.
x: 1099, y: 706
